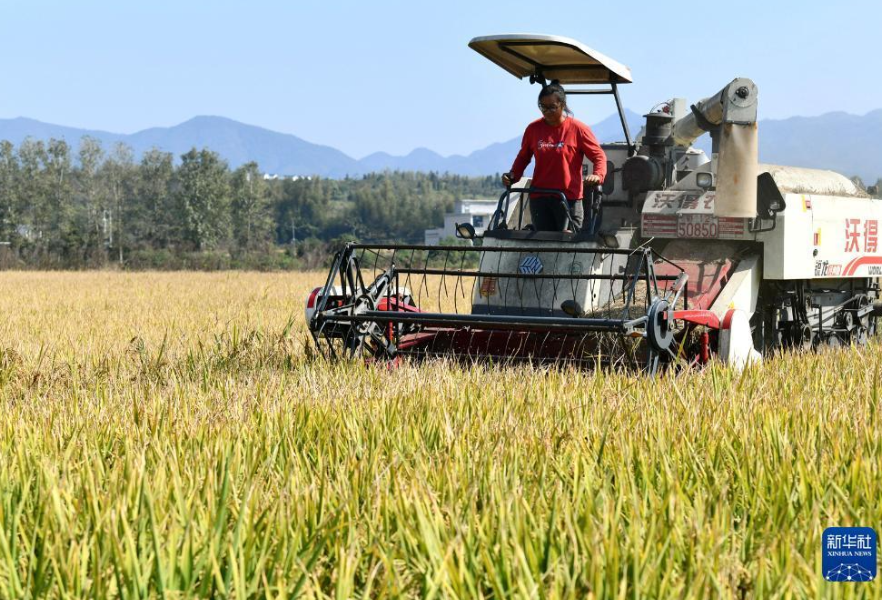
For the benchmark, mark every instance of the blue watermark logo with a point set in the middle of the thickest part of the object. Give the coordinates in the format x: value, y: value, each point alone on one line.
x: 849, y: 554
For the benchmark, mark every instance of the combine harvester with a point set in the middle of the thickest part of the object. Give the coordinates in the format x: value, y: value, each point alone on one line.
x: 682, y: 256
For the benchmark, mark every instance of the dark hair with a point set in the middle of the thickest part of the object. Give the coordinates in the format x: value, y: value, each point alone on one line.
x: 555, y: 89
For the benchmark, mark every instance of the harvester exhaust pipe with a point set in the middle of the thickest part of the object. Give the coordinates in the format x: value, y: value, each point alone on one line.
x: 730, y: 115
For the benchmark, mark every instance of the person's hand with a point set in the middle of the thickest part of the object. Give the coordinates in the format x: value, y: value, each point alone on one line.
x: 592, y: 180
x: 506, y: 179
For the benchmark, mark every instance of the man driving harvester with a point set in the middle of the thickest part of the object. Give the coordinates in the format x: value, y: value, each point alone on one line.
x: 559, y: 142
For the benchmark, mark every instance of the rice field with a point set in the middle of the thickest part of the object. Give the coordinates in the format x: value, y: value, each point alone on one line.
x: 173, y: 436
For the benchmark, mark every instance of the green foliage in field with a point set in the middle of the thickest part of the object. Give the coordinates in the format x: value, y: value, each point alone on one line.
x: 62, y: 210
x: 205, y: 452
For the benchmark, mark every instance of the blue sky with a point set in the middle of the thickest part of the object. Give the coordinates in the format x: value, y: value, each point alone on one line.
x: 395, y: 75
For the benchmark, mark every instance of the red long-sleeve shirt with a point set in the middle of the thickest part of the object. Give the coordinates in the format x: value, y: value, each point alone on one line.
x: 558, y: 152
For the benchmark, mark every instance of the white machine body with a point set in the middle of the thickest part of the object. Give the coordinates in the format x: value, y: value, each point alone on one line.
x: 821, y: 233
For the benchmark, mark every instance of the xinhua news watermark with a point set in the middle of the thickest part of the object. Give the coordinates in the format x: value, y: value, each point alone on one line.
x: 849, y: 554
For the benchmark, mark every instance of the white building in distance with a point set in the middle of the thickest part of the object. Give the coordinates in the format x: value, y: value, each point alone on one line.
x: 274, y: 177
x: 476, y: 212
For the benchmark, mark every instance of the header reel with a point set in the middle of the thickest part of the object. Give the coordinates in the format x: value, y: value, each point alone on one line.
x: 561, y: 304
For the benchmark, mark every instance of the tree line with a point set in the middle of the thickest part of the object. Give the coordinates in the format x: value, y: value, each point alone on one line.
x: 874, y: 190
x: 94, y: 206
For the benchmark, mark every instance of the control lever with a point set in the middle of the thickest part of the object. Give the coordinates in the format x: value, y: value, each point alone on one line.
x: 594, y: 209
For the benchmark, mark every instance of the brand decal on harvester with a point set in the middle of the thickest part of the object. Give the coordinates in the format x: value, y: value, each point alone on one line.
x: 530, y: 265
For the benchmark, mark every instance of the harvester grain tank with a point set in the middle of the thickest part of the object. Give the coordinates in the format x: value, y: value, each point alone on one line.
x: 683, y: 256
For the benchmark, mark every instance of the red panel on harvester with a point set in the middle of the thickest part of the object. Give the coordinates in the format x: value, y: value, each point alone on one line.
x: 708, y: 265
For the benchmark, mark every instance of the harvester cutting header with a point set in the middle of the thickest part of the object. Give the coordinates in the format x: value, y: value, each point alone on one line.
x: 681, y: 256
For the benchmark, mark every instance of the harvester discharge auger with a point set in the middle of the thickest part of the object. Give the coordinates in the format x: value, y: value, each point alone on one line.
x: 682, y: 257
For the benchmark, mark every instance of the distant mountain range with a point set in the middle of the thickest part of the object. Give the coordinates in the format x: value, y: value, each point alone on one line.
x: 838, y: 141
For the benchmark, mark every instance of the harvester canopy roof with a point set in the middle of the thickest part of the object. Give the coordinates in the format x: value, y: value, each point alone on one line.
x: 551, y: 57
